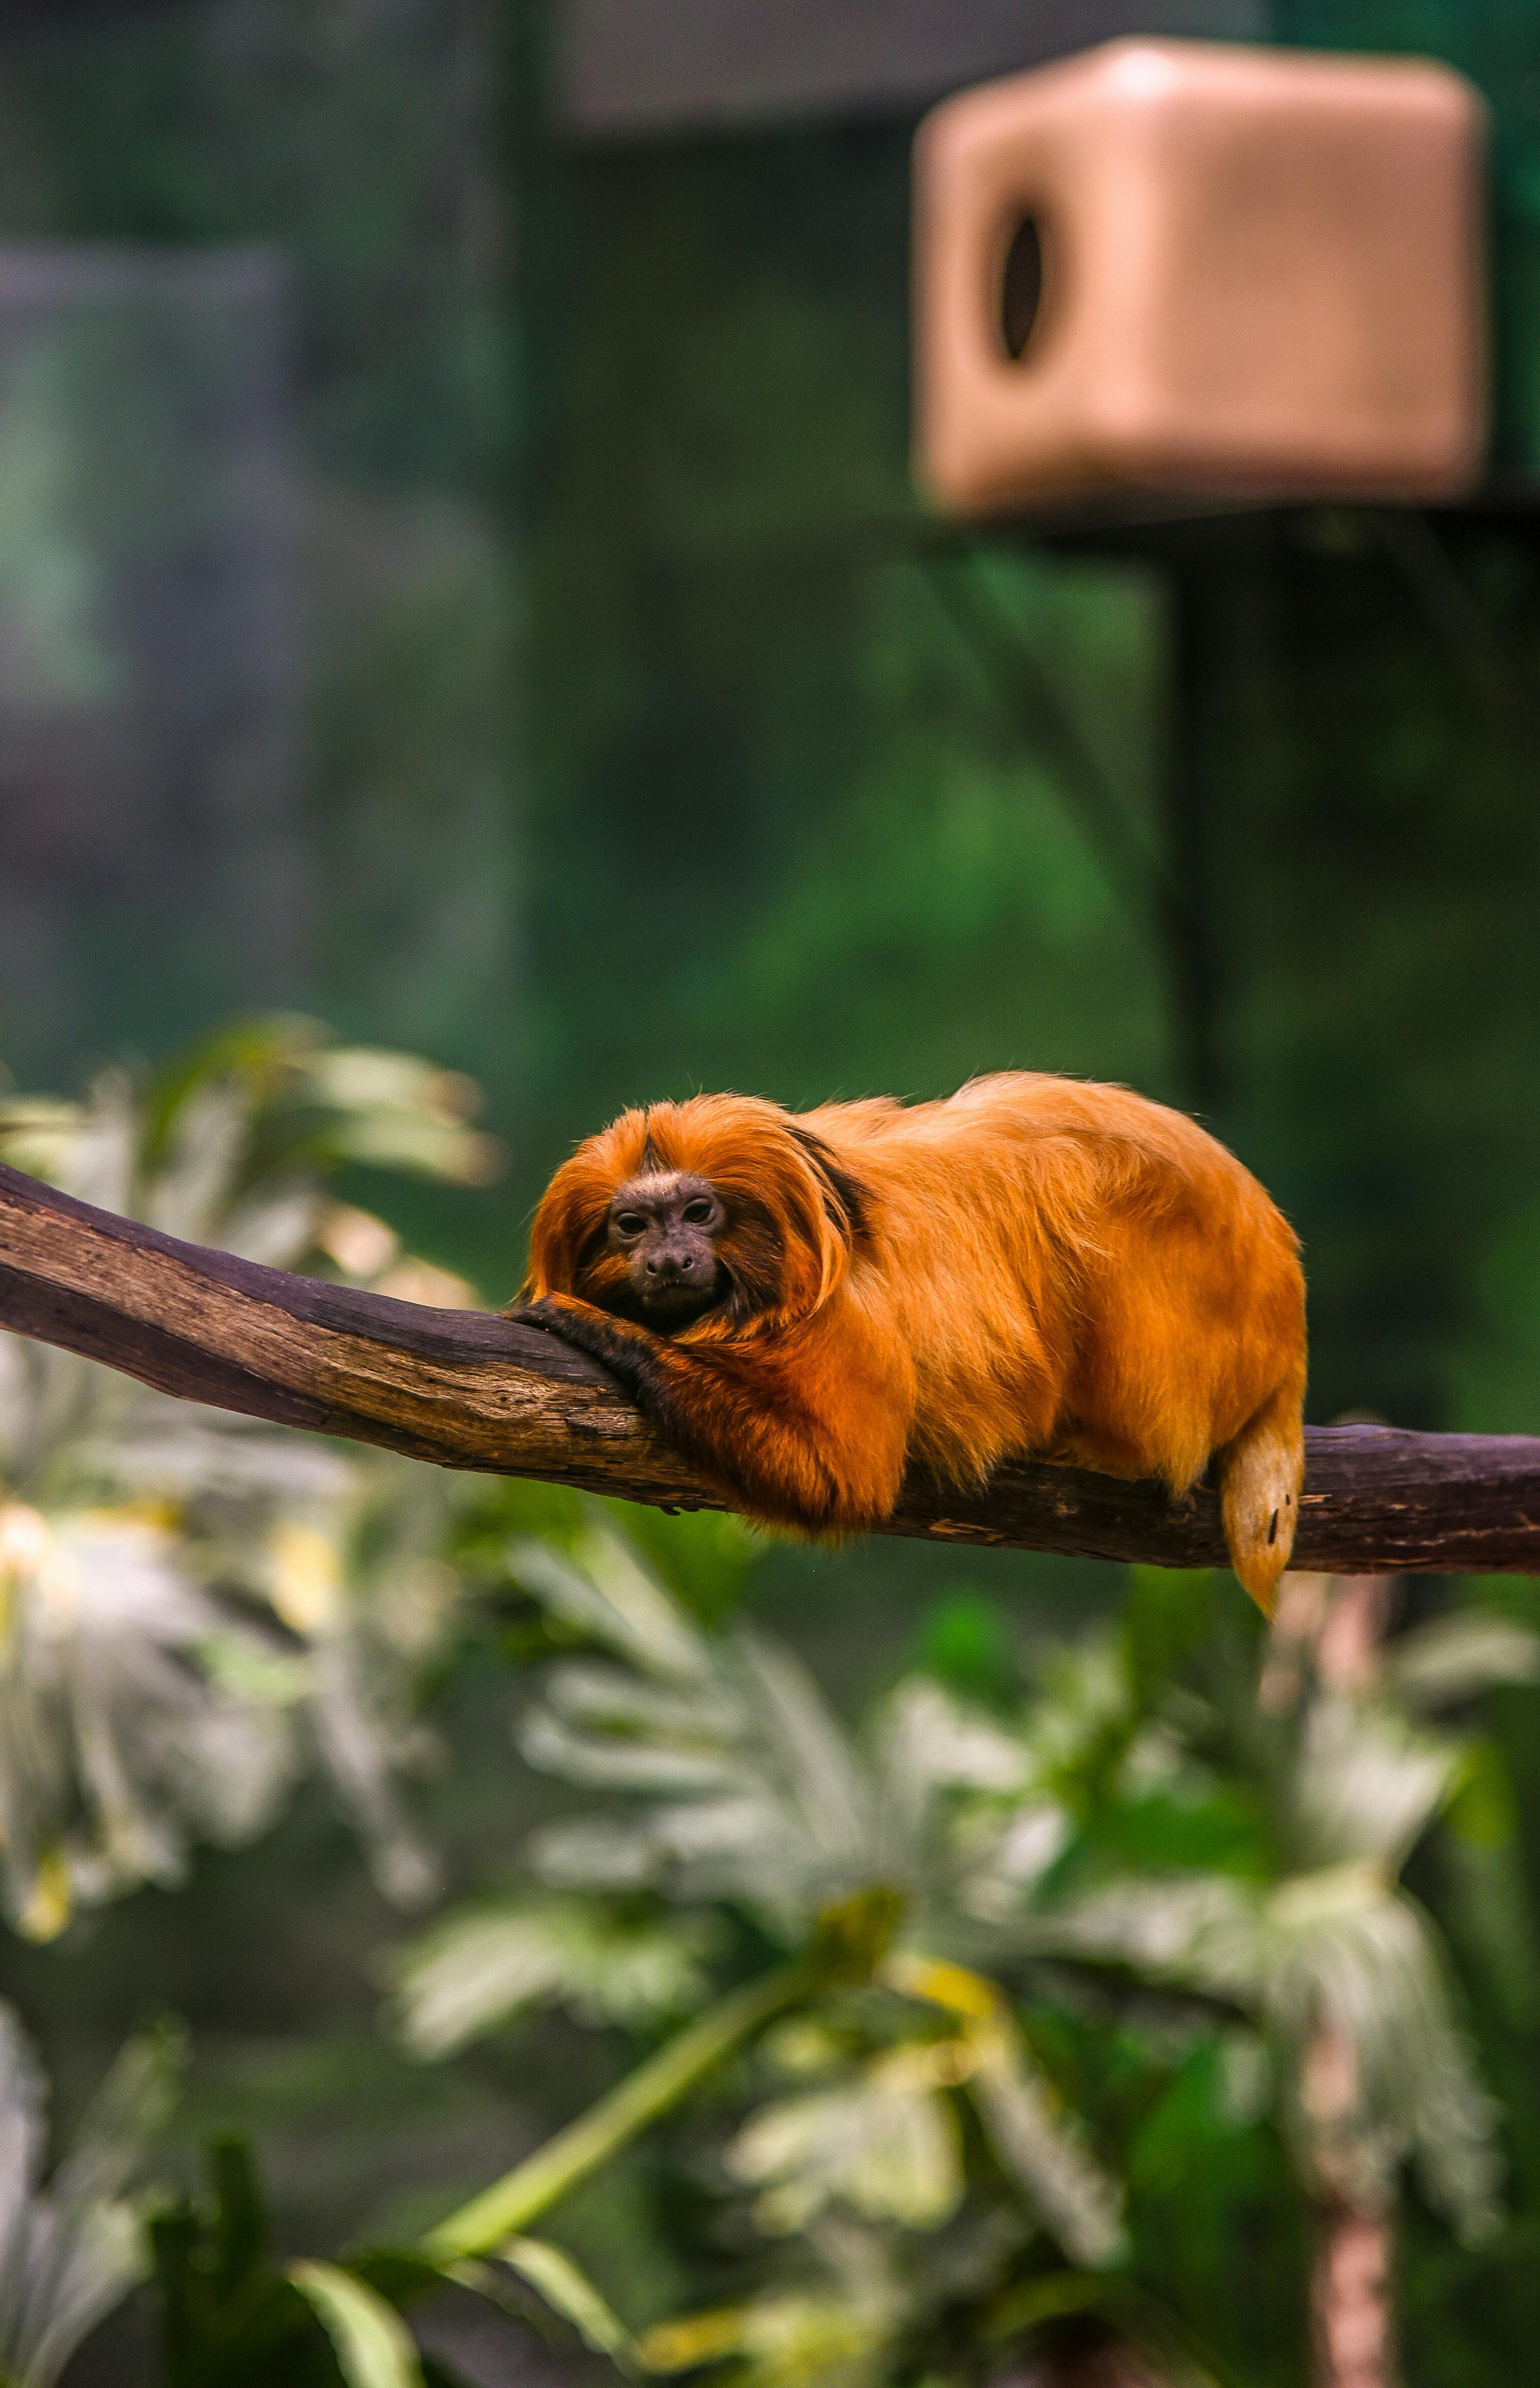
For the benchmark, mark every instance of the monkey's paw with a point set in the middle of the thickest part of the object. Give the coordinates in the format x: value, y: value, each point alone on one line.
x: 572, y: 1322
x: 625, y: 1351
x: 544, y: 1312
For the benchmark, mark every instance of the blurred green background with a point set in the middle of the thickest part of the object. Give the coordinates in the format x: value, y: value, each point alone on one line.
x: 620, y: 725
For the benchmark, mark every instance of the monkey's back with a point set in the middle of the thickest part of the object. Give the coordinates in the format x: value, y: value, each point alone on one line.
x: 1073, y: 1268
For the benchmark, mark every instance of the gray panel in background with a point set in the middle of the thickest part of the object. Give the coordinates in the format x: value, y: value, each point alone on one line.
x: 635, y: 68
x: 150, y: 873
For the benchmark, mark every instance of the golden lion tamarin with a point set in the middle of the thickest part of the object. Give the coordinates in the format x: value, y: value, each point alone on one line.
x: 806, y: 1306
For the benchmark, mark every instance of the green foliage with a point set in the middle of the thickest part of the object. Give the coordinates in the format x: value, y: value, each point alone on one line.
x: 1168, y: 1612
x: 753, y: 1799
x: 705, y: 1557
x: 1309, y: 1929
x: 485, y: 1968
x: 372, y: 2346
x: 187, y: 1593
x: 305, y: 1104
x: 1178, y: 1857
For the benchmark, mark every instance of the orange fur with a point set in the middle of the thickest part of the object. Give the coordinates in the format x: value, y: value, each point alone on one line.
x: 1035, y: 1265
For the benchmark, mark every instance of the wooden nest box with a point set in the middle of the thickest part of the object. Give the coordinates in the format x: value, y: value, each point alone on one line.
x: 1198, y: 268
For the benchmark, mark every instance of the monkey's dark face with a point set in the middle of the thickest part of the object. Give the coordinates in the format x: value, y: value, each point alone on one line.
x: 664, y: 1227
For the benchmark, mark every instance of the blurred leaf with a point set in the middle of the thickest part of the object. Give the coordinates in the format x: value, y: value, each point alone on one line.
x: 258, y: 1052
x: 569, y: 2293
x: 886, y: 2143
x: 705, y: 1556
x: 304, y: 1100
x: 1039, y: 2146
x: 1492, y: 1914
x: 926, y: 1743
x: 115, y: 1745
x: 238, y: 2234
x: 225, y: 2310
x: 752, y: 1789
x: 683, y: 2345
x: 782, y: 2341
x: 1483, y: 1808
x: 1366, y: 1785
x: 476, y: 1970
x: 1166, y: 1833
x: 1338, y: 1950
x: 1044, y: 2150
x: 603, y: 1589
x: 1450, y: 1657
x: 129, y: 2109
x: 817, y: 1773
x: 373, y: 2346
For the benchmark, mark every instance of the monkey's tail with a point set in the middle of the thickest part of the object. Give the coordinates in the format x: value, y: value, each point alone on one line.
x: 1260, y: 1477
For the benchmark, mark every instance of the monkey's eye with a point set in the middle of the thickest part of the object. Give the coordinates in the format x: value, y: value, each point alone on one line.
x: 630, y: 1223
x: 698, y: 1212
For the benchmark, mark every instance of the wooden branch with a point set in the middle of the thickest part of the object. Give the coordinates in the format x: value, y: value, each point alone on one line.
x: 465, y: 1389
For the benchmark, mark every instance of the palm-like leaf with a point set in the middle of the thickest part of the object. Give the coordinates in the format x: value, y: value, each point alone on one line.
x: 1046, y: 2152
x: 741, y: 1786
x: 115, y: 1741
x: 836, y: 2325
x: 1444, y: 1661
x: 884, y: 2141
x: 1340, y: 1966
x: 186, y: 1588
x: 479, y: 1970
x: 746, y: 1786
x: 1365, y: 1786
x: 722, y: 1775
x: 742, y: 1783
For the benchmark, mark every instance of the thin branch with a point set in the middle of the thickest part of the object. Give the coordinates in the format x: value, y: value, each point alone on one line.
x: 465, y: 1389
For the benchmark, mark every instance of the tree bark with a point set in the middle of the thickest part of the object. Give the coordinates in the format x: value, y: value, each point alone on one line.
x: 468, y: 1390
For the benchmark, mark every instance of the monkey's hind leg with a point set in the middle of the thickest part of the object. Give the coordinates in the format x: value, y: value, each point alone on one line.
x: 1261, y: 1474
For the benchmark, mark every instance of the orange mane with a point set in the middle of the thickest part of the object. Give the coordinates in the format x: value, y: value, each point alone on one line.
x: 791, y: 1213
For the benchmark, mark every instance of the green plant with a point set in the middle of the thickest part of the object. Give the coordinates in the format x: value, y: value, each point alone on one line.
x: 1316, y: 1938
x: 911, y: 2173
x: 1033, y: 1966
x: 1363, y: 2048
x: 191, y: 1600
